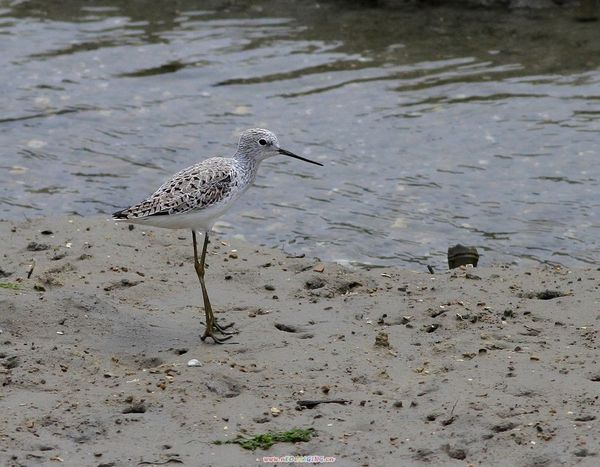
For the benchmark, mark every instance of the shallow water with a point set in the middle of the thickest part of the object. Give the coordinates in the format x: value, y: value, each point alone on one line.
x: 436, y: 126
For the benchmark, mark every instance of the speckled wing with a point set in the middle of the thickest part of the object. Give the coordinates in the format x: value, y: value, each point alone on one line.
x: 200, y: 186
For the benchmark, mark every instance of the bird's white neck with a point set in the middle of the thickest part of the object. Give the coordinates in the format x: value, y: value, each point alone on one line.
x: 247, y: 166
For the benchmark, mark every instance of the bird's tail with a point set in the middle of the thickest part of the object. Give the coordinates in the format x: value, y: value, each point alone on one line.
x: 120, y: 215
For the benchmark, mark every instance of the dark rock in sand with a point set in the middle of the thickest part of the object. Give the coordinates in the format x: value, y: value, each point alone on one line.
x: 287, y: 327
x: 455, y: 453
x: 314, y: 283
x: 503, y: 426
x: 4, y: 273
x: 460, y: 255
x: 136, y: 407
x: 35, y: 246
x: 11, y: 362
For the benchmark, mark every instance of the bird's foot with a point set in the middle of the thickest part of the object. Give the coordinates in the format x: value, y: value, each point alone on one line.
x: 223, y: 329
x: 209, y: 332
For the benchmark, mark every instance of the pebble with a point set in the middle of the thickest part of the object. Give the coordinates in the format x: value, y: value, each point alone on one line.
x: 194, y: 362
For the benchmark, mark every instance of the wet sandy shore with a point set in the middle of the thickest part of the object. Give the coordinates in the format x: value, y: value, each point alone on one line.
x: 474, y: 366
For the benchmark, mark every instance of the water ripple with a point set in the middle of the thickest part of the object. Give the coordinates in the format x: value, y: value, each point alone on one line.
x: 458, y: 127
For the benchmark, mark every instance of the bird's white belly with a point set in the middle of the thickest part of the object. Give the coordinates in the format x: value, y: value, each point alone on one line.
x: 201, y: 220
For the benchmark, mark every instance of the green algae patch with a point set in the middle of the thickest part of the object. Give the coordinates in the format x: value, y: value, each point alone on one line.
x: 266, y: 440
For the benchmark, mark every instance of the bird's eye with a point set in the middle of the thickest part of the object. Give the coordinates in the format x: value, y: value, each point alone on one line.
x: 262, y: 142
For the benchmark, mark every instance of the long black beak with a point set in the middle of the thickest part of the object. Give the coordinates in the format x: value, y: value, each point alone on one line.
x: 291, y: 154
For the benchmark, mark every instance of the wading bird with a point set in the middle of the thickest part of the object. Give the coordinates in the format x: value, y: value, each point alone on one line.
x: 196, y: 197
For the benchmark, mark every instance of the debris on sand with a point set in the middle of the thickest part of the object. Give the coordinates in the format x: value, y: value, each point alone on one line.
x: 545, y: 294
x: 313, y: 404
x: 123, y: 283
x: 382, y: 340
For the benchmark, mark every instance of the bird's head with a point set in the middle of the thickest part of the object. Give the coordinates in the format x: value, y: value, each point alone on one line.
x: 260, y: 144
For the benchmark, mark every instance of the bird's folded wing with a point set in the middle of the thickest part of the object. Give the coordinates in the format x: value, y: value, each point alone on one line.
x: 189, y: 190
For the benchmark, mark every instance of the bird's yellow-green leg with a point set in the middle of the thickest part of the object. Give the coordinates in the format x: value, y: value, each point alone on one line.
x: 216, y: 325
x: 211, y: 323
